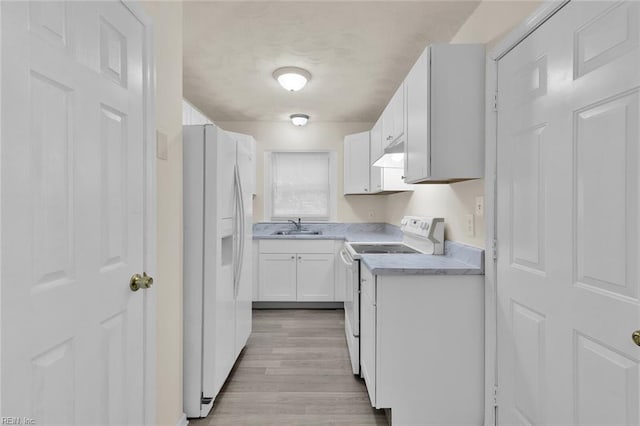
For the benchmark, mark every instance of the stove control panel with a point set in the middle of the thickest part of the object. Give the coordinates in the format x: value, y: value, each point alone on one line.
x: 419, y: 225
x: 425, y: 231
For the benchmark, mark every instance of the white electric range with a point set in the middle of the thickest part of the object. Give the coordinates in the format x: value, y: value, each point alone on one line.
x: 421, y: 235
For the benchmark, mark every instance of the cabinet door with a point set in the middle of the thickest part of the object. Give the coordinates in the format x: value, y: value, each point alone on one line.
x: 397, y: 109
x: 368, y: 335
x: 387, y: 125
x: 277, y: 280
x: 315, y: 277
x: 356, y: 163
x: 393, y: 121
x: 375, y: 179
x: 417, y: 140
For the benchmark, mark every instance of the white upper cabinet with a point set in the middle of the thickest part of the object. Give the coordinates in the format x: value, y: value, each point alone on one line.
x: 356, y: 164
x: 444, y: 138
x: 376, y: 142
x: 383, y: 179
x: 393, y: 118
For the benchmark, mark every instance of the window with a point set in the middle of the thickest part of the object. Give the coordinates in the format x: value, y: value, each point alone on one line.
x: 299, y: 185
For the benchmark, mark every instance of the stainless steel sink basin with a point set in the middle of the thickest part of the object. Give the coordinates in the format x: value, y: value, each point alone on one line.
x: 298, y: 232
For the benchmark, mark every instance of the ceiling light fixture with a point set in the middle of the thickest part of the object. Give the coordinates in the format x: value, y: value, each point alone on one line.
x: 292, y: 78
x: 299, y: 119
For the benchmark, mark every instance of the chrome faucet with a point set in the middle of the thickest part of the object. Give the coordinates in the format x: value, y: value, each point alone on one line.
x: 297, y: 224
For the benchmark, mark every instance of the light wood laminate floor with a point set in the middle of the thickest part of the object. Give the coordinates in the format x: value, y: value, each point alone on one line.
x: 295, y: 370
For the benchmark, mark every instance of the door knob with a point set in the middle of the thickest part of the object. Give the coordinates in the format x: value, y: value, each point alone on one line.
x: 636, y: 337
x: 140, y: 281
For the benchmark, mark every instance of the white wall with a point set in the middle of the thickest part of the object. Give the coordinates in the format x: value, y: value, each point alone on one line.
x: 167, y: 18
x: 453, y: 202
x: 487, y: 24
x: 326, y: 135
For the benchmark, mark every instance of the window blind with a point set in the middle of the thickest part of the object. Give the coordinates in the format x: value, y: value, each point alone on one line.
x: 301, y: 185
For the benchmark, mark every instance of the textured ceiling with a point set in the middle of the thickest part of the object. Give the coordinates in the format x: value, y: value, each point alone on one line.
x: 357, y: 53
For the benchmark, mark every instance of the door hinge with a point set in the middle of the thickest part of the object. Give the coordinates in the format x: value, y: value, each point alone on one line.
x: 495, y: 405
x: 495, y: 102
x: 494, y: 249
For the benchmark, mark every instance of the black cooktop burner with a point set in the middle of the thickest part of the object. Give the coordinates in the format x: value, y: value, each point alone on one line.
x: 382, y: 249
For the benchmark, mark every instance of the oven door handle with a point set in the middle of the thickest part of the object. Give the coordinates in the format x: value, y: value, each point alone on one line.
x: 344, y: 259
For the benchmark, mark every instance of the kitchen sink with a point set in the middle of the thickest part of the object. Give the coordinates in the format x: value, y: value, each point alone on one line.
x: 297, y: 232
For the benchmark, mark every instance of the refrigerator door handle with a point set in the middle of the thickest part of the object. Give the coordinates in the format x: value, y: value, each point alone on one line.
x: 242, y: 230
x: 238, y: 225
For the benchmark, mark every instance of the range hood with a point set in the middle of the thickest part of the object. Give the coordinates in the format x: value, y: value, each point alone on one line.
x: 392, y: 157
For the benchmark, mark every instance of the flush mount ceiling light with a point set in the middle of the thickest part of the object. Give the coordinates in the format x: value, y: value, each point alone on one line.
x: 292, y: 78
x: 299, y: 119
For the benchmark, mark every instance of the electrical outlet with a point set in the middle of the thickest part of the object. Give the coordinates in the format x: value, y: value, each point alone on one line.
x: 479, y: 205
x: 470, y: 225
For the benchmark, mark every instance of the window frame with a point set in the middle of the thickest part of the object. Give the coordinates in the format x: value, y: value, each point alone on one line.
x: 268, y: 186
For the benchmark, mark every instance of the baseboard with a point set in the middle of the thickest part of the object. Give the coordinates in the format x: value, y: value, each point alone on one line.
x: 298, y: 305
x: 182, y: 421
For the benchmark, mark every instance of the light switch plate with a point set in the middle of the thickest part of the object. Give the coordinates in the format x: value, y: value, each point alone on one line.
x: 479, y: 205
x: 162, y: 145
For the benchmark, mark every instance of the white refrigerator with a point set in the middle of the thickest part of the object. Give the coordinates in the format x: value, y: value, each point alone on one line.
x: 218, y: 180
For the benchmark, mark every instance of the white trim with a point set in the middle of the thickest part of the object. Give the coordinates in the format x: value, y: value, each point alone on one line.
x: 150, y: 211
x: 522, y: 31
x: 490, y: 335
x: 182, y: 421
x: 511, y: 40
x: 1, y: 204
x: 333, y: 184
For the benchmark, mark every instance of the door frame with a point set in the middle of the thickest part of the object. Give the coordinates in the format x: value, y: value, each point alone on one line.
x: 503, y: 47
x: 150, y: 210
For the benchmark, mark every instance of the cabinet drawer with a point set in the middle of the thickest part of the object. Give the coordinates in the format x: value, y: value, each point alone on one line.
x: 367, y: 283
x: 296, y: 246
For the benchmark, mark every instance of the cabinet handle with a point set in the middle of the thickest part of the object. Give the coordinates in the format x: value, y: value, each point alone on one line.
x: 299, y: 257
x: 366, y: 190
x: 293, y: 257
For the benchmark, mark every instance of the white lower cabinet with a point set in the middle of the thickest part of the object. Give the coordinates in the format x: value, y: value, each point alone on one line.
x: 298, y: 270
x: 315, y: 277
x: 422, y: 347
x: 277, y: 279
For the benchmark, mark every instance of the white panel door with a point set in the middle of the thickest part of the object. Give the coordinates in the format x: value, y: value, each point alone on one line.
x: 315, y: 277
x: 568, y: 208
x: 277, y: 280
x: 72, y: 212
